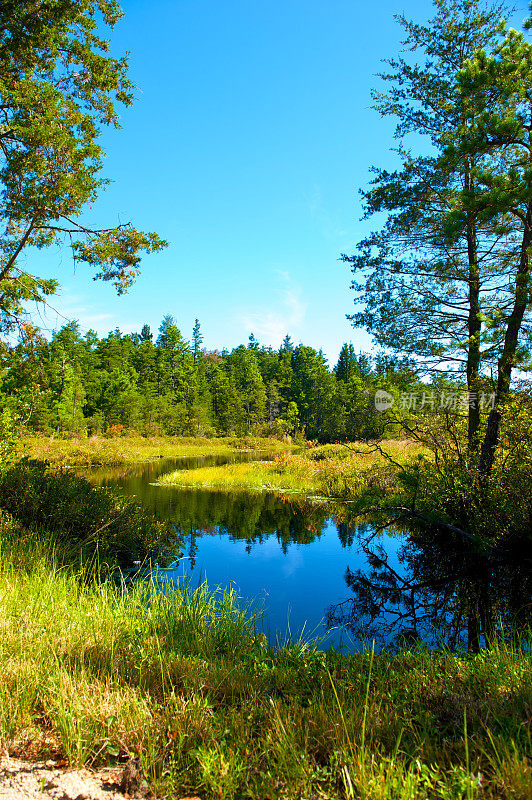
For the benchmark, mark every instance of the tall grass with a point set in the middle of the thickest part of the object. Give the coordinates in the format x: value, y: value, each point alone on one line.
x: 183, y: 681
x: 330, y: 471
x: 100, y: 451
x: 253, y: 476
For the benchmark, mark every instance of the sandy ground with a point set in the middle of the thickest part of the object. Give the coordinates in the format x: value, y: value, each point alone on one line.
x: 25, y: 780
x: 39, y: 780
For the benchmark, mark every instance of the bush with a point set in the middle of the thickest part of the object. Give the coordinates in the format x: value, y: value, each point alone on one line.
x: 94, y: 520
x: 8, y: 437
x: 449, y: 482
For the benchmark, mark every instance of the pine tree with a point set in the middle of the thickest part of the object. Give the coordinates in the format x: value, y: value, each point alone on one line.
x: 428, y: 277
x: 496, y: 135
x: 69, y: 405
x: 249, y: 386
x: 313, y: 392
x: 146, y: 335
x: 347, y: 362
x: 252, y: 342
x: 175, y: 368
x: 197, y: 339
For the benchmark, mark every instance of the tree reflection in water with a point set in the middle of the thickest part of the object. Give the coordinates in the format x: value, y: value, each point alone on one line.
x: 435, y: 585
x: 249, y: 516
x: 440, y: 588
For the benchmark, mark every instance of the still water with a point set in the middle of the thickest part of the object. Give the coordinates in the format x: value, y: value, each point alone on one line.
x: 286, y: 554
x: 315, y: 571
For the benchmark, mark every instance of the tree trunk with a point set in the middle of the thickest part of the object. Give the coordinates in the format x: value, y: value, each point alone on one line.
x: 473, y: 352
x: 507, y: 359
x: 473, y: 632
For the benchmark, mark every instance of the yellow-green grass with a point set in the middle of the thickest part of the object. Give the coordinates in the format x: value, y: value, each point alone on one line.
x: 329, y: 471
x: 183, y: 683
x: 99, y: 451
x: 254, y: 476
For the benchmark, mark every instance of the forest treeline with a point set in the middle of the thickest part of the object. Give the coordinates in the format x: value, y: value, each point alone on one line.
x: 163, y: 384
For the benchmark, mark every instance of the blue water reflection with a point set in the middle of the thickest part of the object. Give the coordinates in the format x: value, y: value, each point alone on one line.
x: 286, y: 554
x: 315, y: 569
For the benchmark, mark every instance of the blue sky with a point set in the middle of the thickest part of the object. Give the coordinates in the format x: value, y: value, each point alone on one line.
x: 250, y: 137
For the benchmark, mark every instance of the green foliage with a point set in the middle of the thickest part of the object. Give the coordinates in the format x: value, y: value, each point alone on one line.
x: 110, y: 528
x: 250, y: 394
x: 70, y: 403
x: 59, y: 88
x: 74, y: 384
x: 9, y: 437
x: 447, y: 480
x: 415, y: 295
x: 447, y: 278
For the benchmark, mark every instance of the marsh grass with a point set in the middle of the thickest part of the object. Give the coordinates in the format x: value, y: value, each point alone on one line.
x: 182, y: 681
x: 253, y: 475
x: 100, y: 451
x: 335, y: 470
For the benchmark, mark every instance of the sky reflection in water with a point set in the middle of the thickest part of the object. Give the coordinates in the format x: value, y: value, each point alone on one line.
x: 287, y: 554
x: 306, y: 563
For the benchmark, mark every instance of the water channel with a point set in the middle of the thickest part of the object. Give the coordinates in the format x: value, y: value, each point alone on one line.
x: 315, y: 571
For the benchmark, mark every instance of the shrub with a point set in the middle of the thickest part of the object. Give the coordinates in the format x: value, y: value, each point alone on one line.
x: 8, y: 437
x: 449, y: 482
x: 95, y: 520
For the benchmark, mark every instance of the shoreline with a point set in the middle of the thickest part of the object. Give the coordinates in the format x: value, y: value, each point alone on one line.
x: 129, y: 450
x: 180, y: 684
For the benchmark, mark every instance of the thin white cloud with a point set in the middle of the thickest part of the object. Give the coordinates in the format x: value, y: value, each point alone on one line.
x: 292, y: 562
x: 325, y: 223
x: 271, y: 325
x: 65, y: 307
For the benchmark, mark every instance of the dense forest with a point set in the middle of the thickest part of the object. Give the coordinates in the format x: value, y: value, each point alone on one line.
x: 163, y: 384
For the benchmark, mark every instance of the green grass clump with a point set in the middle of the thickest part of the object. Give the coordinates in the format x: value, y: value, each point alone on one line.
x: 253, y: 475
x: 184, y: 682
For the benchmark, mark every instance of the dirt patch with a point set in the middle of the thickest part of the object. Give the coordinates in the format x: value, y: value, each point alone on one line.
x: 25, y: 780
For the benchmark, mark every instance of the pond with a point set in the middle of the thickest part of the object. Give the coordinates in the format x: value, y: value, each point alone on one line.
x: 316, y: 571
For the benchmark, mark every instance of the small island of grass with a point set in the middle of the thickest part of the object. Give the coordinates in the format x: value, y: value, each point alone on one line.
x: 339, y: 471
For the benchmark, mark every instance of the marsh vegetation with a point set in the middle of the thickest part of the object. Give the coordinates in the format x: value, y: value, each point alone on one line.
x: 180, y: 681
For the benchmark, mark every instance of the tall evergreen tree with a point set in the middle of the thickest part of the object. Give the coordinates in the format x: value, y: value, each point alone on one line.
x: 496, y: 135
x: 249, y: 386
x: 347, y: 363
x: 175, y: 361
x: 197, y: 339
x: 146, y: 335
x: 313, y: 392
x: 252, y: 342
x: 69, y: 405
x: 431, y: 279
